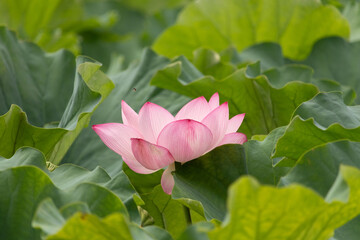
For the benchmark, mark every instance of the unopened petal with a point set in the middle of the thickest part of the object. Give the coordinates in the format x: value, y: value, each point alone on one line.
x: 129, y: 116
x: 185, y: 139
x: 152, y: 119
x: 235, y: 123
x: 196, y: 110
x: 233, y: 138
x: 214, y: 101
x: 116, y: 136
x: 149, y: 155
x: 167, y: 179
x: 217, y: 122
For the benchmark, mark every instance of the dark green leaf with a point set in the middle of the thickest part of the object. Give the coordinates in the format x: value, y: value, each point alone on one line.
x: 41, y: 84
x: 336, y: 59
x: 207, y: 178
x: 67, y: 186
x: 321, y: 120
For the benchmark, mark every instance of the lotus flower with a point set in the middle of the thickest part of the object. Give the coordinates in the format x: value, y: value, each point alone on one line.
x: 155, y: 139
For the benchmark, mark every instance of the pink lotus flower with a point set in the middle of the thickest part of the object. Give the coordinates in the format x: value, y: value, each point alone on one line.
x: 155, y: 139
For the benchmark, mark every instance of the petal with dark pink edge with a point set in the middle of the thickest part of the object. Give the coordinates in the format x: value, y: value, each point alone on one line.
x: 149, y: 155
x: 129, y: 116
x: 167, y: 179
x: 214, y: 101
x: 152, y: 119
x: 217, y: 121
x: 117, y: 137
x: 185, y: 139
x: 235, y: 122
x: 233, y: 138
x: 196, y: 110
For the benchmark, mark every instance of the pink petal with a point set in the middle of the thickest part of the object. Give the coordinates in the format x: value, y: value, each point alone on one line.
x: 214, y: 101
x: 129, y: 116
x: 117, y: 137
x: 152, y: 119
x: 136, y: 166
x: 196, y: 110
x: 217, y: 122
x: 185, y: 139
x: 235, y: 122
x: 233, y: 138
x: 167, y: 179
x: 149, y: 155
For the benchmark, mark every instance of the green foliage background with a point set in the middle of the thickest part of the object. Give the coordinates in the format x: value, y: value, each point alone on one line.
x: 292, y: 66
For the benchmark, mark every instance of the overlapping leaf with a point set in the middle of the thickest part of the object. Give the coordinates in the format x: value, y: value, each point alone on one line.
x: 336, y: 59
x: 321, y: 120
x: 318, y: 168
x: 114, y: 226
x: 41, y: 84
x: 56, y: 27
x: 294, y: 212
x: 331, y: 66
x: 75, y: 221
x: 296, y: 25
x: 24, y: 186
x: 280, y: 76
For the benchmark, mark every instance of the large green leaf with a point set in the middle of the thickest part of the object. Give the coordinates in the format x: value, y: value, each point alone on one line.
x: 132, y: 86
x: 207, y: 178
x: 246, y: 91
x: 86, y: 226
x: 41, y: 84
x: 294, y: 212
x: 295, y: 24
x: 79, y: 223
x: 318, y: 168
x: 115, y: 226
x: 321, y: 120
x: 336, y: 59
x: 24, y: 187
x: 56, y: 27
